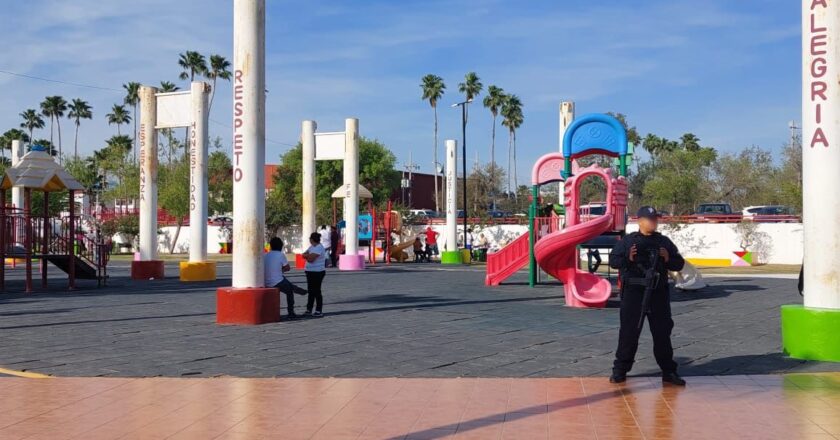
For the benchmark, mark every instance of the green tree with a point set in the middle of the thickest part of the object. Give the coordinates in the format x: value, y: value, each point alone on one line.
x: 119, y: 116
x: 471, y: 88
x: 79, y: 109
x: 168, y: 86
x: 11, y: 135
x: 746, y: 178
x: 54, y: 108
x: 493, y: 101
x: 48, y: 146
x: 376, y: 173
x: 31, y: 121
x: 433, y: 89
x: 632, y: 134
x: 219, y: 68
x: 174, y: 194
x: 132, y: 98
x: 680, y: 180
x: 192, y: 63
x: 790, y: 174
x: 513, y: 119
x: 220, y: 183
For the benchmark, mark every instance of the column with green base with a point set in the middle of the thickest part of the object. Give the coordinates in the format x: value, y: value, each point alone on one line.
x: 812, y: 331
x: 451, y: 254
x: 532, y: 236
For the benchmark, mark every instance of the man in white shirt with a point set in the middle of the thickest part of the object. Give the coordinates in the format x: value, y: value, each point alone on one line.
x: 276, y: 265
x: 326, y: 241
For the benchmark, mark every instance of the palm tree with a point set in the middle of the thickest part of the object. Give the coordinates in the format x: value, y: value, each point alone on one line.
x: 219, y: 68
x: 192, y: 63
x: 79, y: 109
x: 119, y: 115
x: 132, y: 98
x: 433, y: 90
x: 513, y: 119
x: 31, y: 121
x: 54, y: 107
x: 493, y: 102
x: 167, y: 86
x: 690, y: 142
x: 11, y: 135
x: 471, y: 87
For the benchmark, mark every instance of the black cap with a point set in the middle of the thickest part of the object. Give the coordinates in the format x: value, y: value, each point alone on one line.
x: 647, y: 212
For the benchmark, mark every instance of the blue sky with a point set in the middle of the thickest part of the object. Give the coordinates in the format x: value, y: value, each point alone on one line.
x: 725, y: 70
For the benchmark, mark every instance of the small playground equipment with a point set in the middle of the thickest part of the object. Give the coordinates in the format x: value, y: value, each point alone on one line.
x: 554, y: 247
x: 57, y: 240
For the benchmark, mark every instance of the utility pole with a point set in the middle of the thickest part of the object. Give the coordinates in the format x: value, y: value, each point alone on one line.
x: 793, y: 130
x: 410, y: 167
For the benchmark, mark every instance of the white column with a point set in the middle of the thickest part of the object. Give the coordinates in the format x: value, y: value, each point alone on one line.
x: 198, y: 172
x: 567, y: 116
x: 148, y: 173
x: 248, y: 142
x: 351, y: 186
x: 307, y: 139
x: 17, y: 193
x: 451, y: 232
x: 821, y: 151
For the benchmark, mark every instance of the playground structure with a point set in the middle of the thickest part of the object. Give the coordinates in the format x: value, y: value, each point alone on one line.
x: 551, y: 245
x: 174, y: 110
x: 50, y: 240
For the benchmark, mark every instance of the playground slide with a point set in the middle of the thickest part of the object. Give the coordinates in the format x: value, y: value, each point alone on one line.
x: 507, y: 261
x: 688, y: 279
x: 557, y: 254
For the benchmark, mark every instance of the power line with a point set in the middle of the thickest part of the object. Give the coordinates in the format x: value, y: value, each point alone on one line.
x: 59, y: 81
x: 266, y: 139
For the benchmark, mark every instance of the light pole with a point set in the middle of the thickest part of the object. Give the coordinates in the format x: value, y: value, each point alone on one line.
x: 463, y: 106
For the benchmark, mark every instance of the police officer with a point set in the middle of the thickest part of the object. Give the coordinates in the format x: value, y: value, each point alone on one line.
x: 632, y: 256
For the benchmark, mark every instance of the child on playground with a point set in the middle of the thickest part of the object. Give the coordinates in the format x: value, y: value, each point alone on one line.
x: 276, y: 265
x: 419, y: 254
x: 316, y: 257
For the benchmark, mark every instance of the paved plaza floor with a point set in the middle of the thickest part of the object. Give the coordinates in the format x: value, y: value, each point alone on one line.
x: 797, y: 406
x: 424, y: 321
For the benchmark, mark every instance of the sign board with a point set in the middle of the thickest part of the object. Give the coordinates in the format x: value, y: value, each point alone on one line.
x: 174, y: 110
x: 365, y: 227
x: 328, y: 146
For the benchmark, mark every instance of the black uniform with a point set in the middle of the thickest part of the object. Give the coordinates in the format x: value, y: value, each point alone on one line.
x: 659, y: 317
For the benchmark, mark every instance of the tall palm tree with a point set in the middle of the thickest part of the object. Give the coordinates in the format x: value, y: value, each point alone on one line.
x: 31, y: 121
x: 493, y: 102
x: 471, y: 87
x: 433, y: 90
x: 168, y: 86
x: 54, y: 107
x: 132, y: 98
x: 513, y: 118
x: 690, y: 142
x: 79, y: 109
x: 192, y: 63
x: 119, y: 115
x: 11, y: 135
x: 219, y: 68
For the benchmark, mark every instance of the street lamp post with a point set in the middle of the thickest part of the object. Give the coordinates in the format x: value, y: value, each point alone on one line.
x: 463, y: 106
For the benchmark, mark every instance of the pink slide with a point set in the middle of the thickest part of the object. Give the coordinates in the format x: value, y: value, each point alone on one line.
x: 557, y: 254
x: 507, y: 261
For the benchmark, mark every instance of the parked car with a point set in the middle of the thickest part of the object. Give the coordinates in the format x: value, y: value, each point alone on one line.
x: 752, y: 211
x: 714, y: 209
x: 593, y: 209
x: 420, y: 213
x: 499, y: 214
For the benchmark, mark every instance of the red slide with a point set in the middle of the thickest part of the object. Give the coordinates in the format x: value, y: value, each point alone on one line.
x: 557, y: 254
x: 507, y: 261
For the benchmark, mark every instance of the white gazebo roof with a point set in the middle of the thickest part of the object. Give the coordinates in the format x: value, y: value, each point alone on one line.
x: 38, y: 170
x: 364, y: 193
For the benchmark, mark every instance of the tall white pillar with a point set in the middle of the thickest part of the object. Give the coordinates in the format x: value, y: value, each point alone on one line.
x: 351, y: 186
x: 567, y: 116
x: 148, y: 174
x: 821, y: 152
x: 199, y: 92
x: 451, y: 232
x: 810, y: 331
x: 17, y: 193
x: 308, y: 184
x: 248, y: 142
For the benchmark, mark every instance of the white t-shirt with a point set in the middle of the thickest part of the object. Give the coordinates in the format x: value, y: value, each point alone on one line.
x: 325, y: 237
x: 274, y: 262
x: 319, y: 264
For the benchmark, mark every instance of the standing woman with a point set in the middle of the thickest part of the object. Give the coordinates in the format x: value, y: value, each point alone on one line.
x: 315, y: 270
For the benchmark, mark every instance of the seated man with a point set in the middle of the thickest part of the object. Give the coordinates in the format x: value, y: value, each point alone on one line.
x: 276, y: 265
x: 419, y: 254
